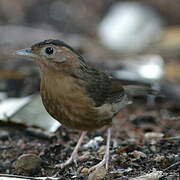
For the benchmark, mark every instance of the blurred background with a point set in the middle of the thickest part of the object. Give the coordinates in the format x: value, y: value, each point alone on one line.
x: 135, y: 41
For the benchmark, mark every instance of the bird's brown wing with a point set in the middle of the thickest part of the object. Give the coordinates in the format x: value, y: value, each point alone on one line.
x: 100, y: 87
x: 116, y: 93
x: 97, y: 85
x: 116, y: 100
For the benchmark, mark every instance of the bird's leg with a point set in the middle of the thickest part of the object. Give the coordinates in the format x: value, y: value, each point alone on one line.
x: 74, y: 156
x: 105, y: 160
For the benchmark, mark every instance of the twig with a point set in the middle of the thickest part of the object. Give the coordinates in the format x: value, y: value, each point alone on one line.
x: 17, y: 177
x: 155, y: 175
x: 171, y: 138
x: 173, y: 166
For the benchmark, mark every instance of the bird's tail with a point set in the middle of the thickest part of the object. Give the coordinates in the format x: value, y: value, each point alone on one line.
x: 134, y: 90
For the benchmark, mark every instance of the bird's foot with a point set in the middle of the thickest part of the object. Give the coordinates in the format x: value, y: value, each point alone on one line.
x: 100, y: 164
x: 73, y: 159
x: 74, y: 156
x: 105, y: 160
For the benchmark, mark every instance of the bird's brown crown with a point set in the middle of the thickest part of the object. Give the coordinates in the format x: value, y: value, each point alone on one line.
x: 52, y: 43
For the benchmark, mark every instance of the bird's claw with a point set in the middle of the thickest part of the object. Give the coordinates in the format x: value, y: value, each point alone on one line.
x: 100, y: 164
x: 73, y: 159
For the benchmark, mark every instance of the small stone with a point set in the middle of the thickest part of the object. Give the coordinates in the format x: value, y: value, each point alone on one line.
x: 159, y: 158
x: 94, y: 143
x: 153, y: 148
x: 28, y: 163
x: 85, y: 171
x: 153, y: 136
x: 98, y: 174
x: 138, y: 155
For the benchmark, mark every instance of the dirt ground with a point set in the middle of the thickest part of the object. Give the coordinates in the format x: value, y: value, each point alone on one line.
x: 144, y: 139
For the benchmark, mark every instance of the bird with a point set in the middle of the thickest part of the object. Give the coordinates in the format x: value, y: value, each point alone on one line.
x: 77, y: 95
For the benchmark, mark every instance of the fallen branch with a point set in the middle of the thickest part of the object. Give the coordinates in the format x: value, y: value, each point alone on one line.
x: 173, y: 166
x: 155, y: 175
x: 17, y: 177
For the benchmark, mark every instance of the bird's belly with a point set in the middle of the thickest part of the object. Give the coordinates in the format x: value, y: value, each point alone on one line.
x: 76, y: 113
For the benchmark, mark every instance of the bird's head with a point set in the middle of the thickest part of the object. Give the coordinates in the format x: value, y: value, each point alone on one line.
x: 53, y: 54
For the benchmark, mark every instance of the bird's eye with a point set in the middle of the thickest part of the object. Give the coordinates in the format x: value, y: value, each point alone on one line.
x: 49, y: 50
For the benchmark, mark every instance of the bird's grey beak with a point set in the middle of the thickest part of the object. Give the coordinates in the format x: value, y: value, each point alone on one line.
x: 26, y: 52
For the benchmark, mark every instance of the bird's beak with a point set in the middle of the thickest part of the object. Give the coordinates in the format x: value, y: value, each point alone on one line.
x: 26, y: 52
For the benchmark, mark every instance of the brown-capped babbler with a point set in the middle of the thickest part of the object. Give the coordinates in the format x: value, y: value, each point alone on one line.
x: 77, y: 95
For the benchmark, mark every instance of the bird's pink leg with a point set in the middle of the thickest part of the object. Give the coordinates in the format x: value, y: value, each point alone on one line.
x: 105, y: 160
x: 74, y: 156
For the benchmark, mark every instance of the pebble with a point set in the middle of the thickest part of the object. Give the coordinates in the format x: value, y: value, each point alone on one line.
x: 159, y: 158
x: 138, y: 155
x: 94, y: 143
x: 28, y: 163
x: 98, y: 174
x: 85, y: 171
x: 153, y: 148
x: 153, y: 136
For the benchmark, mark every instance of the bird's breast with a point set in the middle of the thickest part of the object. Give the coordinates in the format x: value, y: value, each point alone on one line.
x: 68, y: 103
